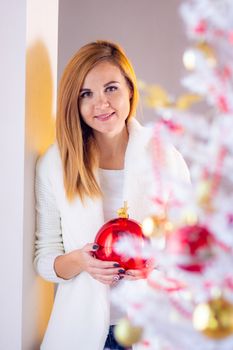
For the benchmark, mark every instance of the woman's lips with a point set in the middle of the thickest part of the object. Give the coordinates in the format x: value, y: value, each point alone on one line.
x: 104, y: 117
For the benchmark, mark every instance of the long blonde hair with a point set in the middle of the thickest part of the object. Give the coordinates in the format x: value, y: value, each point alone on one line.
x: 75, y: 138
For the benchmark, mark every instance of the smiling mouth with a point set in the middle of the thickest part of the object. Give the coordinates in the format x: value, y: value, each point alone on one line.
x: 103, y: 117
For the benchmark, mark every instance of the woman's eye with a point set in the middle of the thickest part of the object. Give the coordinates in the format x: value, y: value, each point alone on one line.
x: 111, y: 88
x: 85, y: 94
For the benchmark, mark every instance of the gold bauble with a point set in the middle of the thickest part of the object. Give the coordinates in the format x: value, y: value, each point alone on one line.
x: 204, y: 194
x: 214, y: 318
x: 126, y: 334
x: 208, y: 52
x: 156, y: 226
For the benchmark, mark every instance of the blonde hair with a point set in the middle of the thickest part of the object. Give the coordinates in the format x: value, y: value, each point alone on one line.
x: 75, y: 138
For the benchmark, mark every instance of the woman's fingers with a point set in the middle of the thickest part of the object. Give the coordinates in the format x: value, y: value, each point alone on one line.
x: 110, y: 280
x: 104, y: 264
x: 90, y: 247
x: 107, y: 275
x: 108, y: 272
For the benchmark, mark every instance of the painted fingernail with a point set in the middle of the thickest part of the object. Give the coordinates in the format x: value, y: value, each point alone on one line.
x: 116, y: 278
x: 121, y: 271
x: 95, y: 246
x: 116, y: 265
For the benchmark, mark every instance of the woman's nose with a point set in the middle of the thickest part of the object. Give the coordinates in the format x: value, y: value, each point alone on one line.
x: 101, y: 101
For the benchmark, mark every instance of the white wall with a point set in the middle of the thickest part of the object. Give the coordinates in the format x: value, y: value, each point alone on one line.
x: 28, y: 71
x: 150, y: 31
x: 12, y: 92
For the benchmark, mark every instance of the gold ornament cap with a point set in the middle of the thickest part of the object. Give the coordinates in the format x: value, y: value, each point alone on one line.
x: 123, y: 212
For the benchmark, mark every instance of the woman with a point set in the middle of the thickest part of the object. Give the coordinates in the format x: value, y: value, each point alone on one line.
x: 100, y: 159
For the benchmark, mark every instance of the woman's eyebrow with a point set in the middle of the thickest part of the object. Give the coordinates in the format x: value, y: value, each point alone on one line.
x: 112, y: 82
x: 85, y: 89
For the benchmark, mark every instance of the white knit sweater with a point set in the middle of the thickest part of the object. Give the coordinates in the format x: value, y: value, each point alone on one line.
x: 80, y: 315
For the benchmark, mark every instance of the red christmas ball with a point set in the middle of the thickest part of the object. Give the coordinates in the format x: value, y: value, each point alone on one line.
x: 191, y: 246
x: 110, y: 233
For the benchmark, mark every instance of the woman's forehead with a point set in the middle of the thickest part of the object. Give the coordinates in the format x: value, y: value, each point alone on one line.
x: 103, y: 73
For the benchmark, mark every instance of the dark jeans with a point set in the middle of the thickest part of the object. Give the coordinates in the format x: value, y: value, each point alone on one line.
x: 111, y: 343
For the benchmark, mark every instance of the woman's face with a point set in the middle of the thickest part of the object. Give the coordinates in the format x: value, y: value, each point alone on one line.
x: 104, y: 99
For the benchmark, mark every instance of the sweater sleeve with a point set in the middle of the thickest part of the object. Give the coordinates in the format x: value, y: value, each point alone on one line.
x: 49, y: 243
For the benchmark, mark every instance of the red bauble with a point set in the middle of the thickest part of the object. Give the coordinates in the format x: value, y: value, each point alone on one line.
x: 192, y: 247
x: 110, y: 233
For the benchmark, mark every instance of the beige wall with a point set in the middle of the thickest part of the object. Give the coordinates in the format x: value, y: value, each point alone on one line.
x: 150, y: 31
x: 41, y: 80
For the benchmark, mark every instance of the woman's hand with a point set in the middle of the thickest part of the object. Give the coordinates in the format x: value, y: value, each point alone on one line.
x: 71, y: 264
x: 107, y: 272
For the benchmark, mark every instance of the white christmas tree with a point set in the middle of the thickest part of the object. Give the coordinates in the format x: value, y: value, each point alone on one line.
x: 186, y: 303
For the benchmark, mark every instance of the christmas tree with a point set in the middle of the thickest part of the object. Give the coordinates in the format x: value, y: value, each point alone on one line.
x: 186, y: 303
